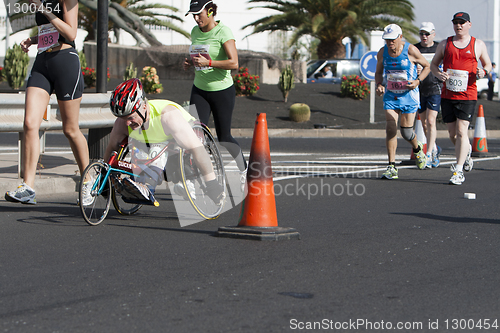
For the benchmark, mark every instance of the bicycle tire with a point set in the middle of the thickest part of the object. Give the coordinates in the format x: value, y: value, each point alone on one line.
x: 203, y: 205
x: 122, y: 207
x: 95, y: 212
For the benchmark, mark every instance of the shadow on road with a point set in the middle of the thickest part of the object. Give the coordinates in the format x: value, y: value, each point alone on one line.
x: 451, y: 218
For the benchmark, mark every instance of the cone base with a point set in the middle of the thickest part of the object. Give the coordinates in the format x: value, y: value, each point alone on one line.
x: 482, y: 154
x: 259, y: 233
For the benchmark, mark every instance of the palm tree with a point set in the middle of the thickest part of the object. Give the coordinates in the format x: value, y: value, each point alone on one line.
x: 332, y: 20
x: 131, y: 16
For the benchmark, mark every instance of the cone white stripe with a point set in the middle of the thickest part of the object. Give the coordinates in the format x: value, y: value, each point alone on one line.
x: 480, y: 130
x: 419, y: 128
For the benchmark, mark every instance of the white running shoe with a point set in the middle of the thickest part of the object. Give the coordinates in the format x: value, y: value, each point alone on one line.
x: 88, y: 199
x: 457, y: 178
x: 23, y: 194
x: 140, y: 191
x: 428, y: 161
x: 179, y: 190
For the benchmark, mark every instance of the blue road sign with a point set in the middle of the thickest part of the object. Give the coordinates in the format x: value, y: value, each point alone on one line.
x: 368, y: 65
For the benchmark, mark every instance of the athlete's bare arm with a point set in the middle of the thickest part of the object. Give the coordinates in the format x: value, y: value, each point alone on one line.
x: 417, y: 57
x: 379, y: 72
x: 437, y: 60
x: 118, y: 133
x: 483, y: 57
x: 174, y: 124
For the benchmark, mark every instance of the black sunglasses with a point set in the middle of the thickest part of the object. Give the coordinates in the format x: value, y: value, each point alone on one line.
x: 459, y: 22
x: 424, y: 34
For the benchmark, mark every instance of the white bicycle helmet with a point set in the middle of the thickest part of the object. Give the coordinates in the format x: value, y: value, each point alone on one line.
x: 127, y: 98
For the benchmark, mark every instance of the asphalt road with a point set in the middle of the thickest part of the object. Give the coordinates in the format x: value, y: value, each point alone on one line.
x: 411, y: 253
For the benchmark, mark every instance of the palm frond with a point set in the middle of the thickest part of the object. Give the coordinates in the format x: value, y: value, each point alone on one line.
x: 332, y: 20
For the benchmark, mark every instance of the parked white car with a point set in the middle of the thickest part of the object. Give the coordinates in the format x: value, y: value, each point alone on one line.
x: 482, y: 88
x: 339, y: 68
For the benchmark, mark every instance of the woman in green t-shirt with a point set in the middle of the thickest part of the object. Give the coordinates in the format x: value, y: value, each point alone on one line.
x: 213, y: 54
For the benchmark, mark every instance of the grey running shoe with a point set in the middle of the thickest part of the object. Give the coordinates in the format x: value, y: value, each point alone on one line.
x: 23, y: 194
x: 390, y: 173
x: 88, y: 199
x: 420, y: 158
x: 469, y: 163
x: 457, y: 178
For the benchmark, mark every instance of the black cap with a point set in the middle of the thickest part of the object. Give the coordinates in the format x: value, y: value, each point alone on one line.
x: 197, y: 6
x: 461, y: 16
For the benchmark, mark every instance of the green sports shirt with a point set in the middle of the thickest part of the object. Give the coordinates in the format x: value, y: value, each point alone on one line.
x: 213, y: 79
x: 155, y: 132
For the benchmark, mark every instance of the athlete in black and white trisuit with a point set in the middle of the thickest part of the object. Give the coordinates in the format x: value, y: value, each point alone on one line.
x: 430, y: 94
x: 56, y: 69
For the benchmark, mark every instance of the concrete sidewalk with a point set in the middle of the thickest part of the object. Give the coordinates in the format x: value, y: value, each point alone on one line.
x: 58, y: 171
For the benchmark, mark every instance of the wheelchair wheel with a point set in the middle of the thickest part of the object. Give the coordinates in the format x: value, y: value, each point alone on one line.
x: 122, y: 207
x: 191, y: 179
x: 95, y: 206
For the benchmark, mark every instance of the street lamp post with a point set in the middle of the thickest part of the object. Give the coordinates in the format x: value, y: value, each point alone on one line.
x: 98, y: 138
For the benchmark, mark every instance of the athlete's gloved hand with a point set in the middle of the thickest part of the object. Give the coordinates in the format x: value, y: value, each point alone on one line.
x: 215, y: 191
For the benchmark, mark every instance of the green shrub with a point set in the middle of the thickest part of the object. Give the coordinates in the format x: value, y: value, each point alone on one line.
x: 300, y: 112
x: 130, y: 72
x: 151, y: 81
x: 355, y: 87
x: 83, y: 59
x: 16, y: 66
x: 286, y: 82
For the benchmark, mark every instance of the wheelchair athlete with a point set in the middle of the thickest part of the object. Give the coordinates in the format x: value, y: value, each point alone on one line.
x: 153, y: 123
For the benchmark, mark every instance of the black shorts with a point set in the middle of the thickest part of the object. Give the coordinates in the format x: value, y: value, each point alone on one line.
x: 452, y: 110
x: 59, y: 71
x: 431, y: 102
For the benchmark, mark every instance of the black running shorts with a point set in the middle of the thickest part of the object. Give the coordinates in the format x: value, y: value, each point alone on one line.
x: 59, y: 71
x: 452, y: 110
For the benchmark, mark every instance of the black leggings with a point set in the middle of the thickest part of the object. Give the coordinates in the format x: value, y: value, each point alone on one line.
x: 59, y: 71
x: 221, y: 104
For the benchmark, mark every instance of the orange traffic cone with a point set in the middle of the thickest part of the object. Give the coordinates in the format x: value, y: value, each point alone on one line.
x: 479, y: 145
x: 419, y: 130
x: 258, y: 218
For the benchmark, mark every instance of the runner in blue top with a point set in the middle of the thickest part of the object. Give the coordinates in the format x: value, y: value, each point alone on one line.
x: 397, y: 60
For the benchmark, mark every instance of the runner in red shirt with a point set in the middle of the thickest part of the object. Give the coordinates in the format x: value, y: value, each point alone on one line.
x: 460, y: 55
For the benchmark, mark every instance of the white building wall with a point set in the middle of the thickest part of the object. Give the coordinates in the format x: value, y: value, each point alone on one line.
x: 233, y: 13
